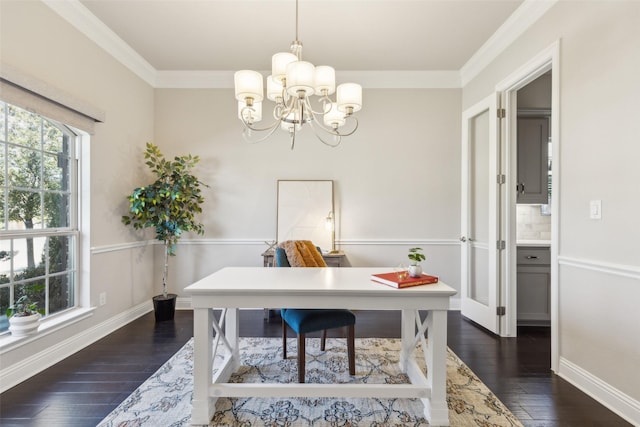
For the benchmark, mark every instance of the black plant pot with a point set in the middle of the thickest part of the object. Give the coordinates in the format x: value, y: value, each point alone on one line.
x: 164, y: 308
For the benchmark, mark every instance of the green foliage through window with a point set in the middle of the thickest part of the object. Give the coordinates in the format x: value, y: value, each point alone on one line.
x: 37, y: 234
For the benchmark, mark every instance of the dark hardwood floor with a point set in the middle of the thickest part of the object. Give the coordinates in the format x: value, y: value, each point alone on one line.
x: 84, y: 388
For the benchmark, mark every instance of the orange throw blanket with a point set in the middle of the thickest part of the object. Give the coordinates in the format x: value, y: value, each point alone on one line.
x: 302, y: 253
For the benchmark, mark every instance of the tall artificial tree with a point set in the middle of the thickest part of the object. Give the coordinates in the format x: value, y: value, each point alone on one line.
x: 169, y: 204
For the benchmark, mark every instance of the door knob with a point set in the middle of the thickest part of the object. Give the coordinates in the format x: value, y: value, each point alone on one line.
x: 463, y: 239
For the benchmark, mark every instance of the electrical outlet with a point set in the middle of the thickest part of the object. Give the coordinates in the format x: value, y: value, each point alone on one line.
x: 595, y: 209
x: 103, y: 298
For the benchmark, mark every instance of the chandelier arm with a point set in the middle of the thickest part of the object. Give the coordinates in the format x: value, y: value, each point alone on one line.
x: 255, y: 129
x: 287, y: 109
x: 355, y: 128
x: 270, y: 132
x: 314, y: 112
x: 249, y: 126
x: 293, y: 138
x: 324, y: 100
x: 330, y: 130
x: 336, y: 136
x: 335, y: 132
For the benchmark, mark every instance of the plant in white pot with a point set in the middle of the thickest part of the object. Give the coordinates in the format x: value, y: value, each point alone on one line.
x: 169, y: 205
x: 416, y: 256
x: 24, y: 318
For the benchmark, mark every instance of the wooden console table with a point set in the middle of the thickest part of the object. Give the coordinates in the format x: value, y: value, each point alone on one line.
x: 333, y: 259
x: 232, y: 288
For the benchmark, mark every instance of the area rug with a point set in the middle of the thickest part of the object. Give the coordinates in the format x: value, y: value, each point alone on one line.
x: 165, y: 398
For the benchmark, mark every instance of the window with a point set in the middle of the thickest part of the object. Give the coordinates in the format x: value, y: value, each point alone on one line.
x: 38, y: 212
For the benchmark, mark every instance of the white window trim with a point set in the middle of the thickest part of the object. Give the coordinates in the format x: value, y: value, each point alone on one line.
x: 48, y: 326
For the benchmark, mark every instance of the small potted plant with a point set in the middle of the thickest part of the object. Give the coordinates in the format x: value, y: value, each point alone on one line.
x: 24, y: 318
x: 169, y: 205
x: 415, y: 255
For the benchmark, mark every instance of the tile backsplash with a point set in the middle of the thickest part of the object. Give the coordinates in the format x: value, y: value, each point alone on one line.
x: 531, y: 225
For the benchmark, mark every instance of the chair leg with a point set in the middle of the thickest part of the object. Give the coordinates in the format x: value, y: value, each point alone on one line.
x: 284, y: 339
x: 301, y: 357
x: 323, y: 340
x: 351, y: 349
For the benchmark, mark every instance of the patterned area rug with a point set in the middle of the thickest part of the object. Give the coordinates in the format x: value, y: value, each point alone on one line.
x: 165, y: 398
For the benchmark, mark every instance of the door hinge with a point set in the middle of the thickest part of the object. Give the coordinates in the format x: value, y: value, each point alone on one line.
x: 502, y: 113
x: 500, y: 245
x: 501, y: 311
x: 501, y: 178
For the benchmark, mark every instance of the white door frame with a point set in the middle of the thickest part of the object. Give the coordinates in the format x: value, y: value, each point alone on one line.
x: 548, y: 59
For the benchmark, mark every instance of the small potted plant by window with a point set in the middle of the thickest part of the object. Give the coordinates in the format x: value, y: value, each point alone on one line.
x: 24, y: 317
x: 415, y: 255
x: 169, y: 205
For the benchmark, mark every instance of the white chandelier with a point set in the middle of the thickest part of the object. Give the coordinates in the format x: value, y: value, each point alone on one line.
x: 291, y: 84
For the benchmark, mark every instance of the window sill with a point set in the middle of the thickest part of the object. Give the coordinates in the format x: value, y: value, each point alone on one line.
x: 47, y: 326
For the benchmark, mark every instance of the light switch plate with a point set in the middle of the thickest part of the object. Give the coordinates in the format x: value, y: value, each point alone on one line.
x: 595, y: 209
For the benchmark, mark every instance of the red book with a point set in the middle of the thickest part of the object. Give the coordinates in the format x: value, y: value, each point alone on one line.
x: 392, y: 279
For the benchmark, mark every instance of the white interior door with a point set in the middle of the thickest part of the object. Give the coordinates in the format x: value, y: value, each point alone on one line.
x: 480, y: 238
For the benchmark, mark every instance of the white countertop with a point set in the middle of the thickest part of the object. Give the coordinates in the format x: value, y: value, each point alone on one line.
x: 535, y: 243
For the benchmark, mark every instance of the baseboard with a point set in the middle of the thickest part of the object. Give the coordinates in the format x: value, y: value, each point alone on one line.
x: 183, y: 303
x: 617, y: 401
x: 23, y: 370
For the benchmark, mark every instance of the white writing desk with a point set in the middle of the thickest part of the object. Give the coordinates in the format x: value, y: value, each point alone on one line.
x: 232, y: 288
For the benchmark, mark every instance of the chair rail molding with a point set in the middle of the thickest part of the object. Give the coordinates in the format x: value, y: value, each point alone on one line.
x: 614, y: 269
x: 100, y: 249
x: 120, y: 247
x: 398, y: 242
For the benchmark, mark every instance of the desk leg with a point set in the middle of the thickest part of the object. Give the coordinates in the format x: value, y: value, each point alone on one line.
x: 232, y: 333
x: 436, y: 409
x: 407, y: 333
x: 203, y: 405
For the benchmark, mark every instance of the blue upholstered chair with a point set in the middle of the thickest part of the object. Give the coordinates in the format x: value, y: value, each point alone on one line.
x: 304, y: 321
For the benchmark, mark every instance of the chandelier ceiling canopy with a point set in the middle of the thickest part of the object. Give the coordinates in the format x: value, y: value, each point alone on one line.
x: 291, y: 85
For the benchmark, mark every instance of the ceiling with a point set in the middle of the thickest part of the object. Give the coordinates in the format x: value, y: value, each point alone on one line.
x: 355, y: 35
x: 378, y: 43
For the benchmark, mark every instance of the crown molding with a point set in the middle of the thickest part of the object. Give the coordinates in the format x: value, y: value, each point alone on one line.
x: 520, y: 20
x: 88, y: 24
x: 401, y: 79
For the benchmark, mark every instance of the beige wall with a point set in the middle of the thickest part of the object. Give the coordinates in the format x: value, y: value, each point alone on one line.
x: 599, y: 261
x: 396, y: 180
x: 37, y: 41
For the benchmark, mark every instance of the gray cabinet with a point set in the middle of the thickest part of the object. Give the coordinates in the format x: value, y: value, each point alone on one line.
x: 533, y: 139
x: 534, y: 286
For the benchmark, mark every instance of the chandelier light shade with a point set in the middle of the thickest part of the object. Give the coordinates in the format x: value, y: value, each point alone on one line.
x: 300, y: 79
x: 274, y: 89
x: 333, y: 118
x: 325, y: 77
x: 291, y: 85
x: 349, y: 97
x: 279, y: 63
x: 248, y: 86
